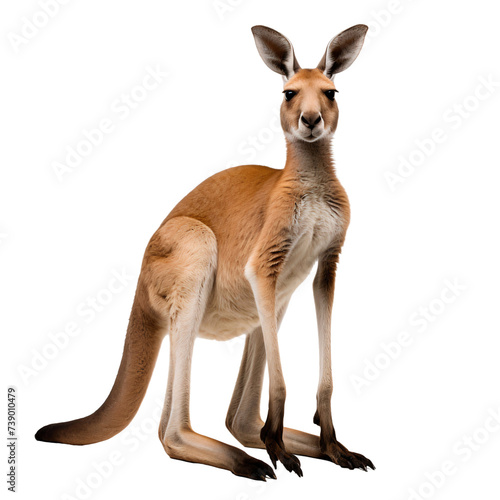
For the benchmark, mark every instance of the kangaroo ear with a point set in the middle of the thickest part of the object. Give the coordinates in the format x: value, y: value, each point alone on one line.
x: 342, y: 50
x: 276, y: 51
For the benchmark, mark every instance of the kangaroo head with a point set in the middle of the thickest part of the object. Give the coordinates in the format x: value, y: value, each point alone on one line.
x: 309, y: 110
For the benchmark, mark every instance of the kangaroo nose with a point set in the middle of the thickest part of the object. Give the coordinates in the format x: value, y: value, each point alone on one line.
x: 310, y: 120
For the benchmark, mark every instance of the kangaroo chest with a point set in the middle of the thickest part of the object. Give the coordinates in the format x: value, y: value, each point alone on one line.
x: 318, y: 220
x: 319, y: 223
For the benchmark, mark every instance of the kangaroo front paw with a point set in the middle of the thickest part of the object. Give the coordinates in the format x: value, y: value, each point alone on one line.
x: 340, y: 455
x: 276, y: 450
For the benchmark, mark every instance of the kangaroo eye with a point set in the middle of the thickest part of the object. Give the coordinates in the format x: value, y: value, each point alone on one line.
x: 331, y: 94
x: 289, y: 94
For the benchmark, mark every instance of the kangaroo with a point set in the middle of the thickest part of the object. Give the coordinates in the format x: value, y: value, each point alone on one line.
x: 225, y: 263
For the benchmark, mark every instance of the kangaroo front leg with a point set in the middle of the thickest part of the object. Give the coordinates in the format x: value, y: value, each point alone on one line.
x: 264, y: 289
x: 324, y: 285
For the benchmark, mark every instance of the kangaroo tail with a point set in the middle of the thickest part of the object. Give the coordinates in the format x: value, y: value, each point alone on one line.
x: 142, y: 345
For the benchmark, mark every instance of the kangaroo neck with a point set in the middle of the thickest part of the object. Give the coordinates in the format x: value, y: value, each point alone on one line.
x: 309, y: 159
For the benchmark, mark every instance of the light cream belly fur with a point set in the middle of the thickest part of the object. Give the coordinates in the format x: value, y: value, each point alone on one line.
x: 231, y: 314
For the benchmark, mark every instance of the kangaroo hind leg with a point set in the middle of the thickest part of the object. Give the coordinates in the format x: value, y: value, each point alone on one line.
x: 183, y: 279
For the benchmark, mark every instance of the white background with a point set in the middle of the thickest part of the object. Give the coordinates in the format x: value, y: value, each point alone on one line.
x: 61, y: 240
